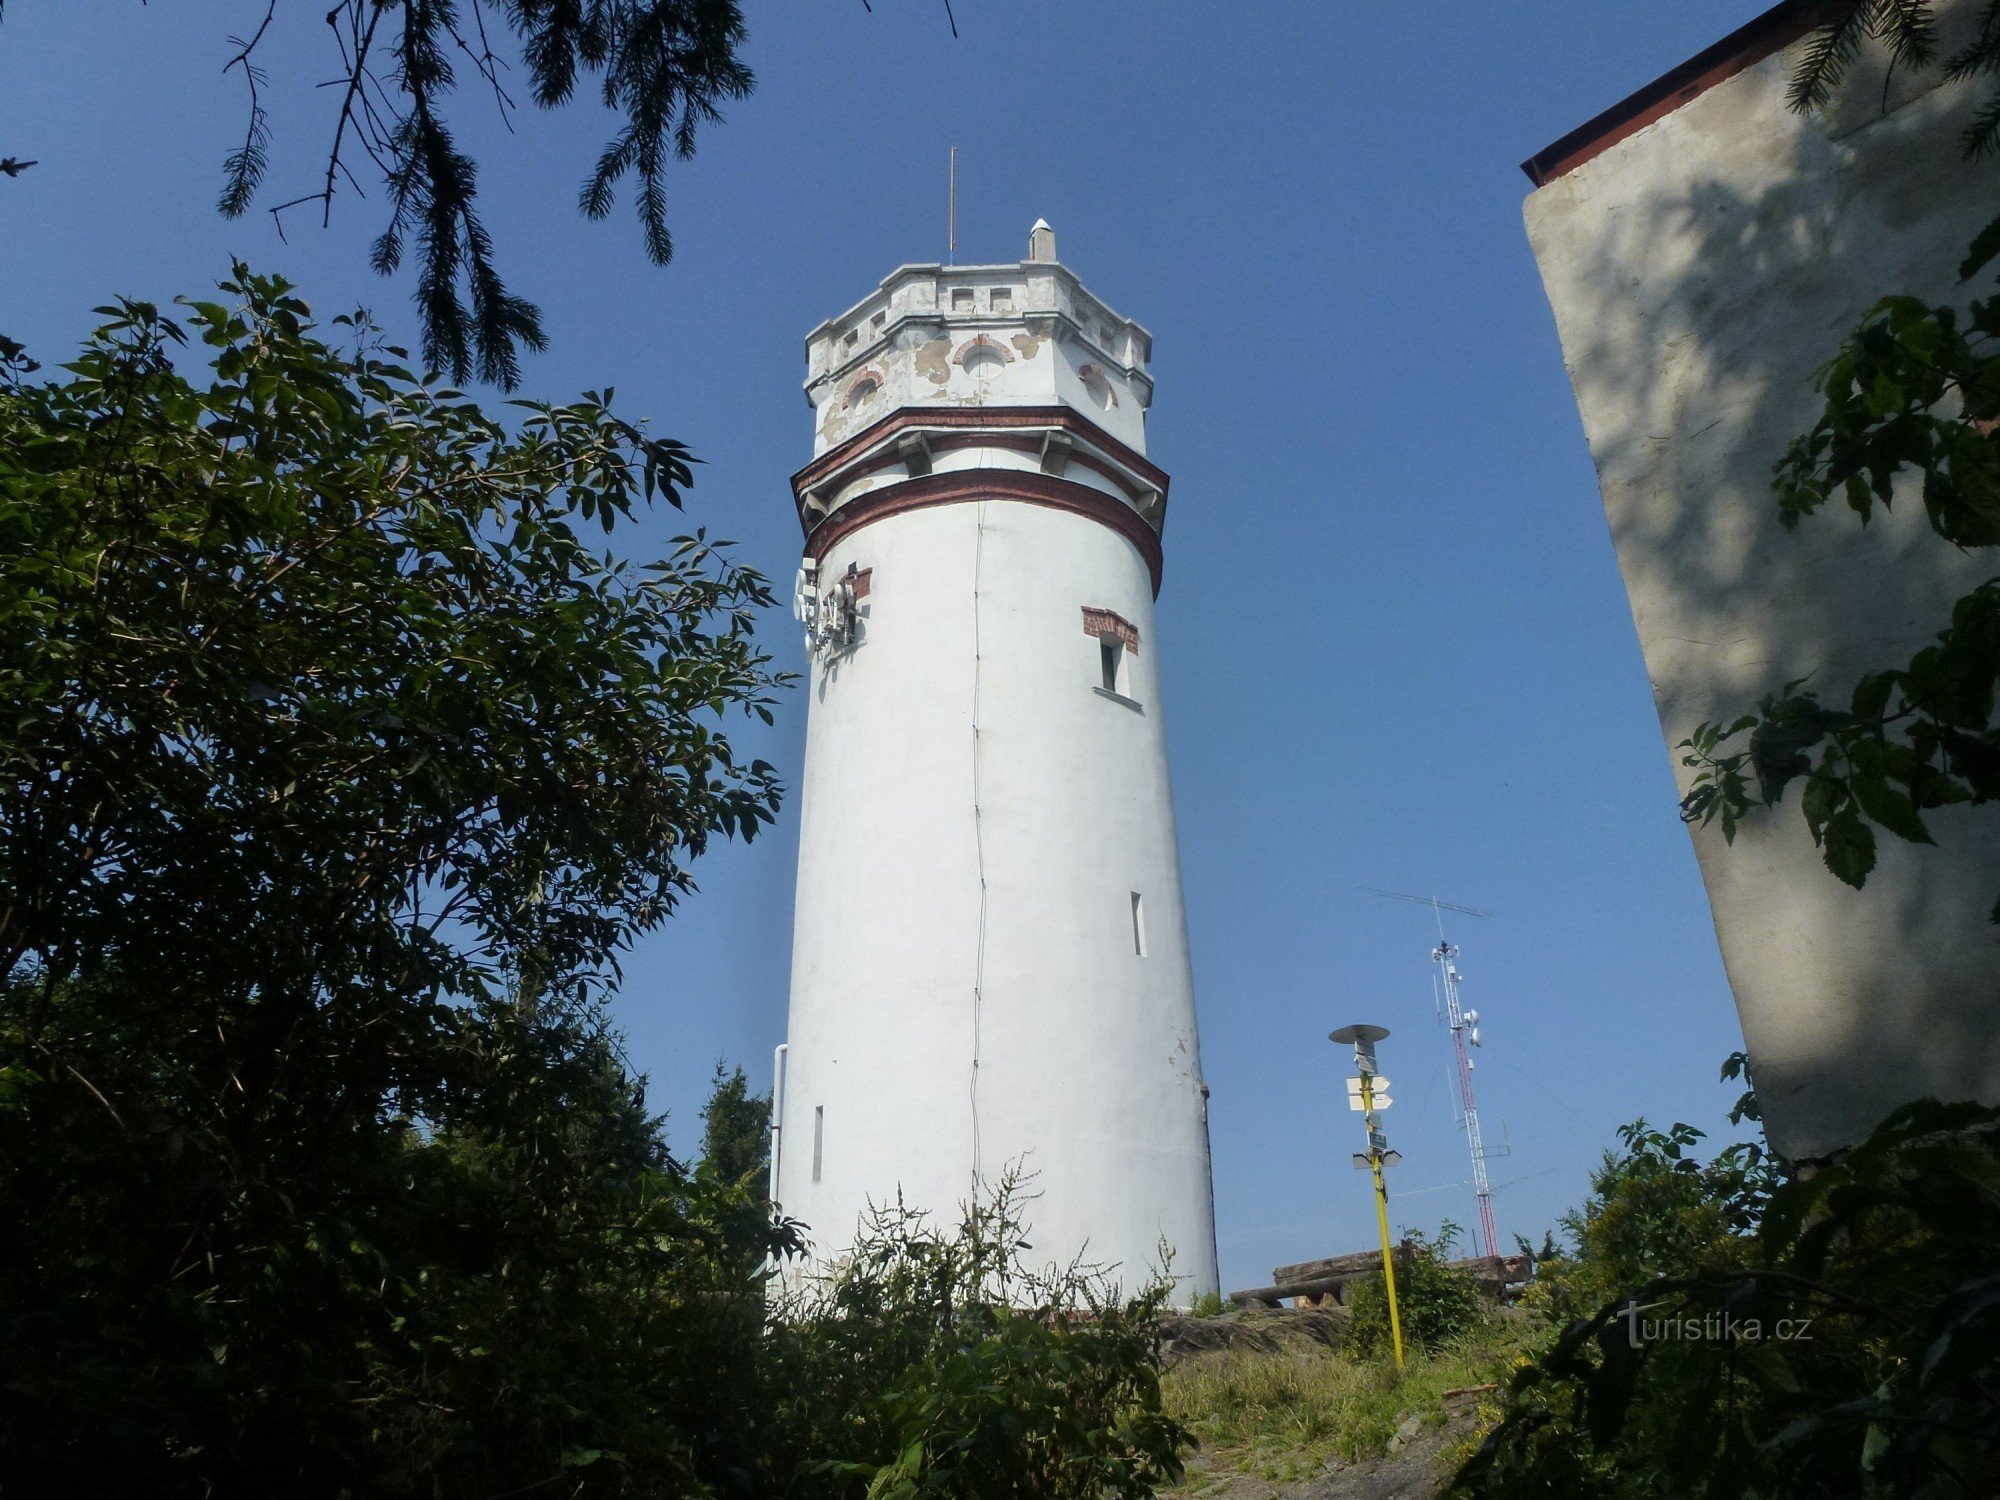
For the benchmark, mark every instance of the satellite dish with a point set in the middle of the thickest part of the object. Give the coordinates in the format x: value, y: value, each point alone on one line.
x: 1357, y: 1035
x: 1475, y: 1036
x: 1472, y: 1018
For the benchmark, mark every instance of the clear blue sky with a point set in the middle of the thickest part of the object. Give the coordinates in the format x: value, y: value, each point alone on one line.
x: 1395, y: 645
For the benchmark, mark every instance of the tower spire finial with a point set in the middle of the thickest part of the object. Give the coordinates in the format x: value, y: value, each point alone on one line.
x: 1041, y: 241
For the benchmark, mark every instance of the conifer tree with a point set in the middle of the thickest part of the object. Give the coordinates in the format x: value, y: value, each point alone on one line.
x: 736, y: 1132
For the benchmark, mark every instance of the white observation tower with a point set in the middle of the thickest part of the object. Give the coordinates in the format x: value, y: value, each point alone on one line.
x: 989, y: 958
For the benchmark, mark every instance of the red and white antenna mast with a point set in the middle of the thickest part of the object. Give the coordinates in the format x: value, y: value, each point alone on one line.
x: 1464, y: 1027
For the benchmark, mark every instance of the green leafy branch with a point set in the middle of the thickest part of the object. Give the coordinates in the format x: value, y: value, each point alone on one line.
x: 1845, y: 1344
x: 1912, y: 390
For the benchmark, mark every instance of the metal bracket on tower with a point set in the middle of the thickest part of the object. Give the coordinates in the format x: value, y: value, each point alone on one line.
x: 828, y: 614
x: 1056, y: 448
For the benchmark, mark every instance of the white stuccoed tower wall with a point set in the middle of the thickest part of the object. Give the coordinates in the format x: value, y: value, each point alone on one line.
x: 990, y: 959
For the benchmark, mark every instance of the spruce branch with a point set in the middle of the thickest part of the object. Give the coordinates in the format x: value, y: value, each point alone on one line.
x: 665, y: 68
x: 243, y: 168
x: 1830, y: 49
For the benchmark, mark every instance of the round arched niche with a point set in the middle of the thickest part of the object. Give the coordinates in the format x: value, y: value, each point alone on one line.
x: 982, y: 357
x: 1098, y: 386
x: 863, y: 388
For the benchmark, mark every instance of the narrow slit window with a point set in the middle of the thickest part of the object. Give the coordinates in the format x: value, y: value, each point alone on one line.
x: 1117, y: 648
x: 819, y: 1131
x: 1138, y: 943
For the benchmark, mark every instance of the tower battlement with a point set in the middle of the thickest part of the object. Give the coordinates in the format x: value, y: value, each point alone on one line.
x: 972, y: 371
x: 1026, y: 334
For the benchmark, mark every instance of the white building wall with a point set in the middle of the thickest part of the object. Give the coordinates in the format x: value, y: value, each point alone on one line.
x: 1089, y: 1070
x: 1700, y: 272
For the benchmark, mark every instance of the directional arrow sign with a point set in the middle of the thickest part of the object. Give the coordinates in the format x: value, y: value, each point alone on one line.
x: 1354, y: 1085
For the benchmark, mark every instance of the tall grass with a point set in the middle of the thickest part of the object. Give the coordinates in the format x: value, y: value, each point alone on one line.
x: 1286, y: 1414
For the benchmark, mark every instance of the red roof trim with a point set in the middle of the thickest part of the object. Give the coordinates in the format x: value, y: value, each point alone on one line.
x: 1742, y: 49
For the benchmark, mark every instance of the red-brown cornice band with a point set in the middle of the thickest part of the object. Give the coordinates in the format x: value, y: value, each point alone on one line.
x: 962, y: 485
x: 1020, y: 442
x: 987, y: 418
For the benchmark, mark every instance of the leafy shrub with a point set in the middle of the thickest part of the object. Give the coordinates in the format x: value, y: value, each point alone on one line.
x: 1655, y: 1209
x: 1435, y: 1303
x: 945, y: 1364
x: 1208, y: 1305
x: 1847, y: 1342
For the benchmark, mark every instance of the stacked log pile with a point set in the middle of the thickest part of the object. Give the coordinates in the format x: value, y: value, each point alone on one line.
x: 1323, y: 1283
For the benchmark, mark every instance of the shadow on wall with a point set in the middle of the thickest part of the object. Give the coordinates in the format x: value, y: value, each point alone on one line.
x: 1701, y: 271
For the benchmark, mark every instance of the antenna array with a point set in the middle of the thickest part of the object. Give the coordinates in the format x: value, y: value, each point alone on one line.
x: 1464, y: 1027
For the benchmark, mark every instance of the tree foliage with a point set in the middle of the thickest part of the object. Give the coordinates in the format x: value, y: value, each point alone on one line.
x: 1915, y: 390
x: 337, y: 765
x: 1655, y: 1209
x: 1836, y: 1334
x: 1908, y: 29
x: 736, y: 1133
x: 664, y: 69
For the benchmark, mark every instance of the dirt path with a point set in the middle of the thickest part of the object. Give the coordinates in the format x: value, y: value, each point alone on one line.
x: 1415, y: 1471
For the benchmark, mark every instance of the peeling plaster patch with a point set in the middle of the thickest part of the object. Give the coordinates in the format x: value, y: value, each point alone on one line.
x: 933, y: 361
x: 1027, y: 344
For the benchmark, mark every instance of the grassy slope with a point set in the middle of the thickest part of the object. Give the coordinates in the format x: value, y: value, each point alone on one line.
x: 1287, y: 1414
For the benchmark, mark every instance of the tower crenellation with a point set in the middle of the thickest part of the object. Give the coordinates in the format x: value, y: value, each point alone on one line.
x: 978, y: 335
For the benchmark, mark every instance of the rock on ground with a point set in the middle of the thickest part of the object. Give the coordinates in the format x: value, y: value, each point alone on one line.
x: 1262, y: 1330
x: 1415, y: 1471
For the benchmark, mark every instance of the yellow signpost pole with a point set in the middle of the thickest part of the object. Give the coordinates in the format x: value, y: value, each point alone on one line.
x: 1382, y: 1216
x: 1369, y: 1093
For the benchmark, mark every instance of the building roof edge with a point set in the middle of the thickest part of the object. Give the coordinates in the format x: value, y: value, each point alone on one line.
x: 1745, y: 47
